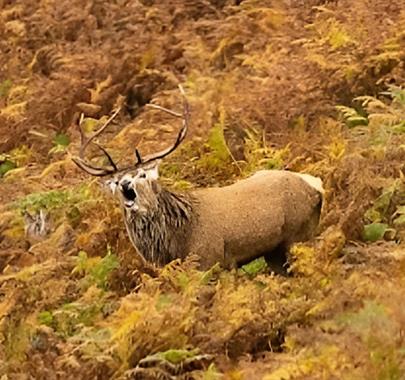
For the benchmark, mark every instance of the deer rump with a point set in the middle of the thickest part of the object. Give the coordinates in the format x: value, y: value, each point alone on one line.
x: 258, y: 216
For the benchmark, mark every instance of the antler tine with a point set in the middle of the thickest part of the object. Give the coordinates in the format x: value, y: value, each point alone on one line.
x: 92, y: 170
x: 86, y: 140
x: 109, y: 158
x: 185, y: 115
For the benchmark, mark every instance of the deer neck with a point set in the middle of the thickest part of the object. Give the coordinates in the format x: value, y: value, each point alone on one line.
x: 160, y: 233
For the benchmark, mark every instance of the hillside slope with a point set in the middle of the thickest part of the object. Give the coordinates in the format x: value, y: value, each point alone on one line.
x: 312, y: 86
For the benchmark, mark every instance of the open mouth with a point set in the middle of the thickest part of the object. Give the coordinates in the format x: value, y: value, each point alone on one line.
x: 129, y: 196
x: 129, y: 193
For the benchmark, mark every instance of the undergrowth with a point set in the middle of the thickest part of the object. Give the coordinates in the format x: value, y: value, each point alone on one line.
x: 310, y: 87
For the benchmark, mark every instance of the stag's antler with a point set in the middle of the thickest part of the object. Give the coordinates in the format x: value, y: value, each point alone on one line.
x: 102, y: 171
x: 85, y: 141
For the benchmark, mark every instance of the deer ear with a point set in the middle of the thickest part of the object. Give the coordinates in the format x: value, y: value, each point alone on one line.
x: 152, y: 171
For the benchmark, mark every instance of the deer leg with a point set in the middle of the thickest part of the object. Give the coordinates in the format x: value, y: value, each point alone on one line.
x: 212, y: 253
x: 229, y: 262
x: 277, y: 259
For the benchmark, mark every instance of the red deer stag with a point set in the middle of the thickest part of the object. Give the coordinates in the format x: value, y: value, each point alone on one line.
x: 260, y: 215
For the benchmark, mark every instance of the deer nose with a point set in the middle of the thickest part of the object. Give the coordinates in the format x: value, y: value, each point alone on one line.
x: 125, y: 185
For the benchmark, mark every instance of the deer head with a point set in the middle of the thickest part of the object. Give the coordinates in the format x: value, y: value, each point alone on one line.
x: 135, y: 185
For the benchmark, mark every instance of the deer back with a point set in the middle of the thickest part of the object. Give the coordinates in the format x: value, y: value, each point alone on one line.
x: 240, y: 222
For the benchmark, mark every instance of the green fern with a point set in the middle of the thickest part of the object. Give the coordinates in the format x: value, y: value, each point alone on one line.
x: 352, y: 117
x: 54, y: 199
x: 95, y: 270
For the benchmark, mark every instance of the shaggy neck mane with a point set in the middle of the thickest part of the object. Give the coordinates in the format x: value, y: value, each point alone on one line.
x: 159, y: 234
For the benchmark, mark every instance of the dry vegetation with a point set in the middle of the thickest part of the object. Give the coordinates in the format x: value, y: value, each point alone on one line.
x: 311, y: 85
